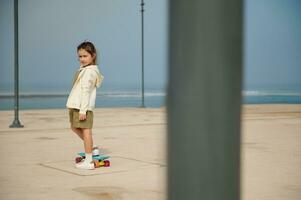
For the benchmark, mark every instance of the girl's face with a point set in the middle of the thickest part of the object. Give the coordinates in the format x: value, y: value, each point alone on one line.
x: 84, y: 57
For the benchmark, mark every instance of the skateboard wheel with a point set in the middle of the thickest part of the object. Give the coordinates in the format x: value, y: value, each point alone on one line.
x: 101, y: 163
x: 106, y: 163
x: 78, y: 159
x: 96, y: 163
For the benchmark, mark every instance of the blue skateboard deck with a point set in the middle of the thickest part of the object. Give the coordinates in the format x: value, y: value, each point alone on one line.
x: 98, y: 157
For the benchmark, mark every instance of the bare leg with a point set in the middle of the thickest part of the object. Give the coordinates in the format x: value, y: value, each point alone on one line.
x: 78, y: 131
x: 88, y: 140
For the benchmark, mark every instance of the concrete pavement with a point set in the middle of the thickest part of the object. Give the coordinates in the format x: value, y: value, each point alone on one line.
x: 38, y: 160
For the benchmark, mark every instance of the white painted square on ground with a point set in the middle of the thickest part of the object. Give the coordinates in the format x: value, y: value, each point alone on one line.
x: 118, y: 164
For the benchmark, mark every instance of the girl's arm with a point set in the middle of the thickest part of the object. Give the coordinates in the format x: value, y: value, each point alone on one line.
x: 87, y: 83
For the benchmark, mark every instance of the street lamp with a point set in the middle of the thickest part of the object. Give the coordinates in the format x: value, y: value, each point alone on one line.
x: 16, y: 123
x: 142, y: 50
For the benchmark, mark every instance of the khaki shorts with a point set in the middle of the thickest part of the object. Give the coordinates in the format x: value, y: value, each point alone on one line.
x: 76, y: 123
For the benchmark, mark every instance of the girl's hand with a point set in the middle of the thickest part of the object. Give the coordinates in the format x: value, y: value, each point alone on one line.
x: 82, y: 117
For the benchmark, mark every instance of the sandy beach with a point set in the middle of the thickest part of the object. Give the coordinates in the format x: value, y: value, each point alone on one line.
x: 38, y: 160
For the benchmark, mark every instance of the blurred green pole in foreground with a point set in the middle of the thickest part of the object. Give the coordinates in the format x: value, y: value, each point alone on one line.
x: 204, y: 99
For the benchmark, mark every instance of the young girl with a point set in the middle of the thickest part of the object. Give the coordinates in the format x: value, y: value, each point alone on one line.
x: 81, y: 99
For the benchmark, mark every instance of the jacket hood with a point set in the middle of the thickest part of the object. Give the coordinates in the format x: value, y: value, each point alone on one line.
x: 99, y: 75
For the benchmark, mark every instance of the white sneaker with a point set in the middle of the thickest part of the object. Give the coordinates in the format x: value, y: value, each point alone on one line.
x: 85, y: 165
x: 79, y: 163
x: 95, y: 151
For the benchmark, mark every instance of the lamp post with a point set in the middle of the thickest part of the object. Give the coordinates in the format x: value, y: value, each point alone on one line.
x: 16, y: 123
x: 142, y: 50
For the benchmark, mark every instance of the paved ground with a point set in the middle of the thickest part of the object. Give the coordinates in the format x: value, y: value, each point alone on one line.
x: 271, y: 152
x: 37, y: 160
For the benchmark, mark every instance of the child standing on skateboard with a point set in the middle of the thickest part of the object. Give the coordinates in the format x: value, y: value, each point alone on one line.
x: 81, y: 100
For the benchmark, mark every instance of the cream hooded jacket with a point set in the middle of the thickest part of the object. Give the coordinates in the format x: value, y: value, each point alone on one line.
x: 83, y: 93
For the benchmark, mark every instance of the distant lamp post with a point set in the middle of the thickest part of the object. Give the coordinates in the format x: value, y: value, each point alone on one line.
x: 142, y: 51
x: 16, y: 123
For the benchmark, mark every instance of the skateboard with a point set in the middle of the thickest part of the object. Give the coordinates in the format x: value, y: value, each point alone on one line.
x: 99, y: 160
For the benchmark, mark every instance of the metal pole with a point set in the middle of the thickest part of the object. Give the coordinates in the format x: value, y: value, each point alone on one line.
x: 142, y: 50
x: 204, y: 99
x: 16, y: 123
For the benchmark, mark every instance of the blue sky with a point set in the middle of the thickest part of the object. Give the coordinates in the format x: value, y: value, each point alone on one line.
x: 50, y: 33
x: 272, y: 44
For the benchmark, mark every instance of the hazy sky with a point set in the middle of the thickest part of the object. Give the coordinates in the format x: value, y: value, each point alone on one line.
x: 49, y: 32
x: 273, y: 44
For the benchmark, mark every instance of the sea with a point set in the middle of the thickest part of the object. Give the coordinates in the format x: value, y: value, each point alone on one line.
x: 41, y: 100
x: 152, y: 99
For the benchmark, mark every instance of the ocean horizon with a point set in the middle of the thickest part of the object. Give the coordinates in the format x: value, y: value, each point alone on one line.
x: 155, y: 99
x: 57, y: 100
